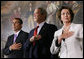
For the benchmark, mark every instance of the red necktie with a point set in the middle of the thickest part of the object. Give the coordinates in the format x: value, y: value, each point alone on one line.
x: 35, y: 33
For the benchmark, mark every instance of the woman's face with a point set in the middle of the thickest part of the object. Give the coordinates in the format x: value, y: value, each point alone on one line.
x: 65, y: 16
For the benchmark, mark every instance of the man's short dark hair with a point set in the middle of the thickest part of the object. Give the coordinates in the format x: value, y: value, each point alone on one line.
x: 20, y: 20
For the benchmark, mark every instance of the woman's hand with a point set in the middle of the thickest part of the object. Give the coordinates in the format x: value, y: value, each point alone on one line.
x: 65, y: 35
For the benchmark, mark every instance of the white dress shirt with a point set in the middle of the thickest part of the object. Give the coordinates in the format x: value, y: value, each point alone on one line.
x: 17, y: 32
x: 72, y: 47
x: 40, y: 26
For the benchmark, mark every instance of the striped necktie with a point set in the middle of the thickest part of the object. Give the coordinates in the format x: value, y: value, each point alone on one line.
x: 15, y: 36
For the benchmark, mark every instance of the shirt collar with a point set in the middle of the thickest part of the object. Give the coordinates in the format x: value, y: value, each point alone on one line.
x: 17, y: 32
x: 41, y: 24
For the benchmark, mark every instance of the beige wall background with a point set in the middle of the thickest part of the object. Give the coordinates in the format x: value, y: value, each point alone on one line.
x: 25, y: 9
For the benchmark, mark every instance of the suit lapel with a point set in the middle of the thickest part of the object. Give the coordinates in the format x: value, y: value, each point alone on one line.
x: 12, y: 39
x: 18, y: 37
x: 43, y: 28
x: 71, y: 27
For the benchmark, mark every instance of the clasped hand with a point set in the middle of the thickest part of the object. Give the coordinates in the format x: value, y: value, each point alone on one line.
x: 16, y: 46
x: 33, y: 38
x: 65, y: 35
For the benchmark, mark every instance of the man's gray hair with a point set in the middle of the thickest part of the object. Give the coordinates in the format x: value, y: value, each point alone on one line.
x: 43, y: 11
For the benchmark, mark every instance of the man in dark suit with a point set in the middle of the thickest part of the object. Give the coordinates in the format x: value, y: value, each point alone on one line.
x: 14, y: 44
x: 38, y: 45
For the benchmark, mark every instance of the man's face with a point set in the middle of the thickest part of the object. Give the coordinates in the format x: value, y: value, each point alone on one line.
x: 38, y: 17
x: 16, y: 25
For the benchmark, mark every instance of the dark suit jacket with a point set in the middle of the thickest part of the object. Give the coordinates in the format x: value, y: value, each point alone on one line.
x: 22, y: 37
x: 42, y: 46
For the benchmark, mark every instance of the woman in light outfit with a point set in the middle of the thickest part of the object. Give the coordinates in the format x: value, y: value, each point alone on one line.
x: 69, y: 39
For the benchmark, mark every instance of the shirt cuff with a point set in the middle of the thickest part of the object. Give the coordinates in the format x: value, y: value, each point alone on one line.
x: 9, y: 48
x: 56, y: 43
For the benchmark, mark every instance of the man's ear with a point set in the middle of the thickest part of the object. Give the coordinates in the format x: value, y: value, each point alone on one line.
x: 44, y: 16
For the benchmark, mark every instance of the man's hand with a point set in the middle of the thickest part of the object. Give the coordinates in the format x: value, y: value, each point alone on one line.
x: 37, y: 37
x: 16, y: 46
x: 33, y: 38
